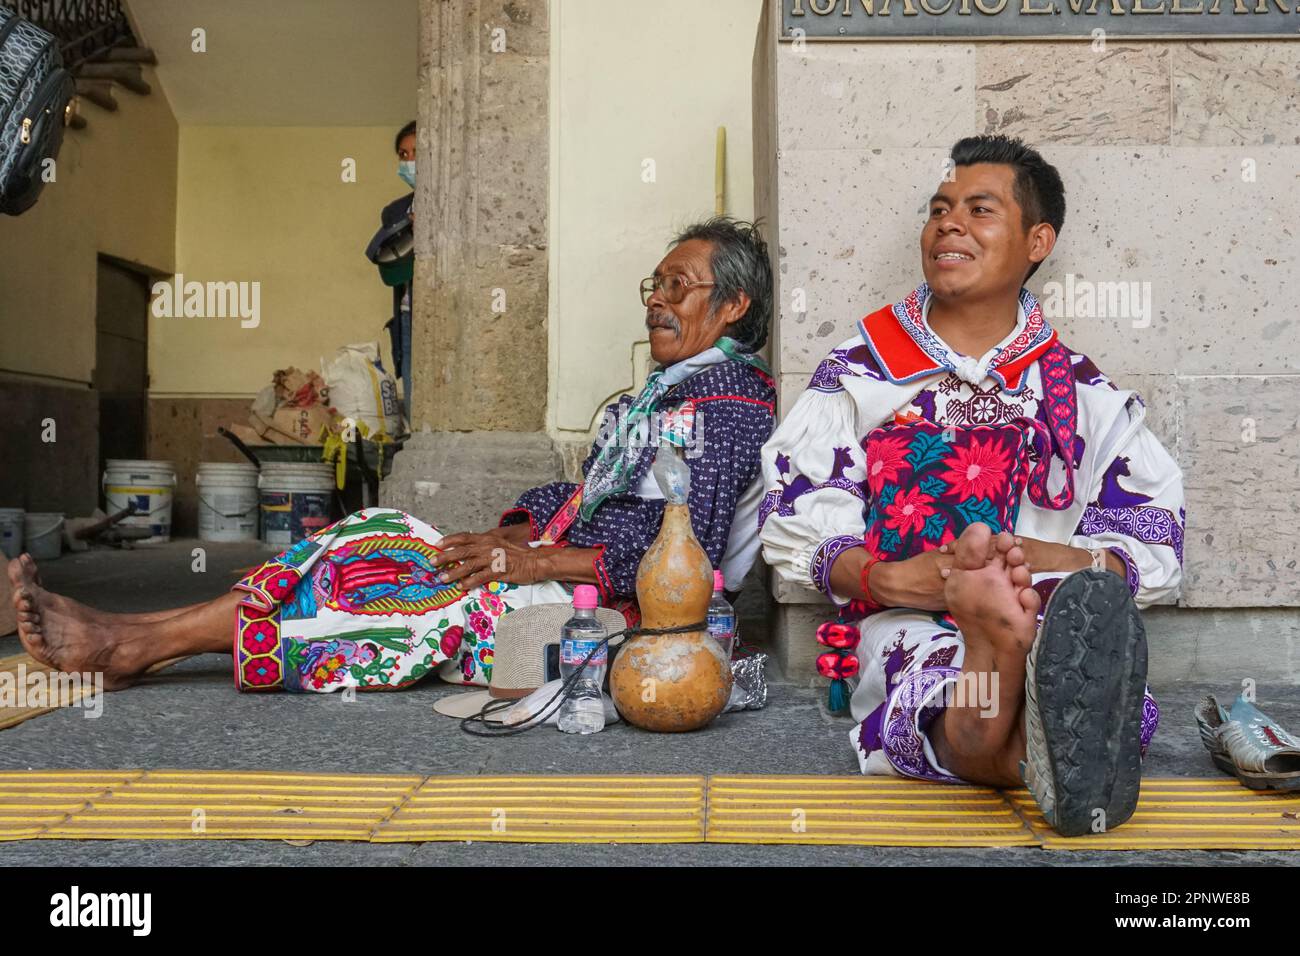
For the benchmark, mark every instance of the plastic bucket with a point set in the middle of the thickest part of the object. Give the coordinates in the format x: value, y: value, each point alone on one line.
x: 11, y: 531
x: 228, y: 501
x: 149, y: 486
x: 297, y: 499
x: 44, y: 533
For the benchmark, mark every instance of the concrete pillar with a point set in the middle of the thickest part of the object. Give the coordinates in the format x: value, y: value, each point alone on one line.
x: 480, y: 296
x: 481, y: 215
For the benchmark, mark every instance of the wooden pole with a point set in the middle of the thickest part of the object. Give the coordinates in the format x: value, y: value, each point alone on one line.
x: 720, y: 173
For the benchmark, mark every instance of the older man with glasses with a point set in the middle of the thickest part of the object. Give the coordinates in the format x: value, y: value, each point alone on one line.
x: 381, y: 599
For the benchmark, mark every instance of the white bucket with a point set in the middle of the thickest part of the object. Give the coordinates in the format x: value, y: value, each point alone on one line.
x: 297, y: 499
x: 11, y: 531
x: 228, y: 501
x: 44, y: 534
x: 149, y: 486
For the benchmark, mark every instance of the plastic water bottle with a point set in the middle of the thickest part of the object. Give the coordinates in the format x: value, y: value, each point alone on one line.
x: 722, y: 617
x: 583, y: 712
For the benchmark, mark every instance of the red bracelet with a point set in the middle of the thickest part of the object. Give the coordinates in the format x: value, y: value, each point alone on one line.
x: 871, y: 602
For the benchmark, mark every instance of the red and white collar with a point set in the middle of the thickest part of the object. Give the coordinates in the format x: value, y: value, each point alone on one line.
x: 905, y: 348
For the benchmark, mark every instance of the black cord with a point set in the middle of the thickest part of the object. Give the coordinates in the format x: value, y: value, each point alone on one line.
x: 493, y: 729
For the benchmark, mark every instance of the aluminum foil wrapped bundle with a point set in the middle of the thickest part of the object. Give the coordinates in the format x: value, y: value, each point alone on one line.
x: 748, y: 683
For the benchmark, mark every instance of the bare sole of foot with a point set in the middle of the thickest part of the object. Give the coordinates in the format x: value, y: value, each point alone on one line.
x: 990, y: 584
x: 989, y: 596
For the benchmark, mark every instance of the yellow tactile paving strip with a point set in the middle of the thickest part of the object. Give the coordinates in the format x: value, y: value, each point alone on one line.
x: 1173, y: 813
x: 33, y: 801
x: 605, y: 809
x: 859, y: 811
x: 199, y: 805
x: 1185, y: 813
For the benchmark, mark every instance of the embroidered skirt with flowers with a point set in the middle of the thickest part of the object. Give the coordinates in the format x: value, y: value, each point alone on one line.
x: 358, y: 604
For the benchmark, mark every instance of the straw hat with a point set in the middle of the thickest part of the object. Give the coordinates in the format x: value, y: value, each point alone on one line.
x: 519, y: 655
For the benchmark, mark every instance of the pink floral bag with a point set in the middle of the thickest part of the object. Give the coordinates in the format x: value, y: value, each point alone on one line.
x: 928, y: 483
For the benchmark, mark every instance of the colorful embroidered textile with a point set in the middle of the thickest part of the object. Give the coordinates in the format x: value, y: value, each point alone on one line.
x: 734, y: 412
x: 1098, y: 479
x: 904, y: 347
x: 817, y: 498
x: 611, y: 471
x: 357, y: 605
x: 927, y: 484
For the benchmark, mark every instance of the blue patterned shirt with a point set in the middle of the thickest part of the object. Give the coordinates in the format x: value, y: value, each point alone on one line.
x: 735, y: 415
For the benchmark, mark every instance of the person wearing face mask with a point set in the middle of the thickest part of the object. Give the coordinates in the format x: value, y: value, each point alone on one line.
x: 393, y: 250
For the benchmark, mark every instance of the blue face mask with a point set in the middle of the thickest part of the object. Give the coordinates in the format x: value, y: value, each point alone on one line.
x: 406, y: 170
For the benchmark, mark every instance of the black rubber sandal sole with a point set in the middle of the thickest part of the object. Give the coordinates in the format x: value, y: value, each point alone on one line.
x: 1090, y: 678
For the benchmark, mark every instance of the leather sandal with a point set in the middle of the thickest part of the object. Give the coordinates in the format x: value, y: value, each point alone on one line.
x: 1248, y: 744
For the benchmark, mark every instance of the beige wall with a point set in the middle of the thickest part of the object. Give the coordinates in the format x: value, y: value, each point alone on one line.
x: 268, y: 205
x: 115, y: 193
x: 632, y: 82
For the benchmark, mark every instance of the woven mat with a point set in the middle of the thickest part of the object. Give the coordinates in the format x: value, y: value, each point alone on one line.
x: 1173, y: 813
x: 22, y: 666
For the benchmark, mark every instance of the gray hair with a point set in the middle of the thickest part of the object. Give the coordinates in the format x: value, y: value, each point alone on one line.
x: 740, y: 264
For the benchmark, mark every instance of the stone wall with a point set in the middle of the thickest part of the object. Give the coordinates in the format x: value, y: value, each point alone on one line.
x: 1181, y: 162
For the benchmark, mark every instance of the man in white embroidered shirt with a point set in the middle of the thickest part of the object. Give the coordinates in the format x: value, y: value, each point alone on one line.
x: 991, y: 512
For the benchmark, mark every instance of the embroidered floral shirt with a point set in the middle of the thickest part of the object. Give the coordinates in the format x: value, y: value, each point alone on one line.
x: 1128, y: 493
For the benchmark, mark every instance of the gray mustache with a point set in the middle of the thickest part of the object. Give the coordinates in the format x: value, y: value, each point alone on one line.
x: 666, y: 320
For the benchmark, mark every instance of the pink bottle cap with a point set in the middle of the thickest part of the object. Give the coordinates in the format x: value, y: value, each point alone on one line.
x: 585, y: 597
x: 717, y: 581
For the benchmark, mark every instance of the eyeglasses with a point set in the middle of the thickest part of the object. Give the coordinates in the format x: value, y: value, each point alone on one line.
x: 673, y: 286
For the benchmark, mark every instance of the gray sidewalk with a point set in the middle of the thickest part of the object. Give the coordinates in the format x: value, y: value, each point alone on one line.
x: 190, y: 717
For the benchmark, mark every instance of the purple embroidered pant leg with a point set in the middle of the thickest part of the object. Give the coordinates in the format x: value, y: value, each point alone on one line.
x: 909, y: 660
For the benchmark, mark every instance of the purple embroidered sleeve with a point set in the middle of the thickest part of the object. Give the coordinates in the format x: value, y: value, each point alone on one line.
x: 782, y: 501
x: 1145, y: 523
x: 1130, y: 569
x: 850, y: 361
x: 538, y: 505
x: 824, y: 557
x: 735, y: 419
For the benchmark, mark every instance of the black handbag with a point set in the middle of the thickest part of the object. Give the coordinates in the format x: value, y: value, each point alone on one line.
x: 35, y: 91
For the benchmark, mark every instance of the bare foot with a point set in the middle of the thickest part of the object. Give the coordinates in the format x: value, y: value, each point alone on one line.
x: 68, y: 636
x: 989, y: 585
x: 988, y: 594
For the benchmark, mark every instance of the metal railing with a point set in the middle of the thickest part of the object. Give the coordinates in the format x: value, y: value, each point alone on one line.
x: 85, y: 28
